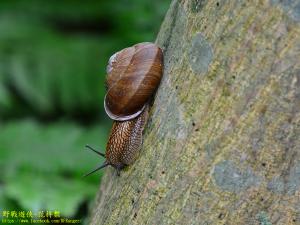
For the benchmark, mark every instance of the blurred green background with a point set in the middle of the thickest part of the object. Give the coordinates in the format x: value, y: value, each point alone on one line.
x: 53, y: 56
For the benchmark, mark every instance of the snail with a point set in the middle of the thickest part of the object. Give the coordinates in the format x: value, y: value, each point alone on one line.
x: 133, y: 75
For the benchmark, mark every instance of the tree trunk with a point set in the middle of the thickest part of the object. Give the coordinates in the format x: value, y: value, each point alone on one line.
x: 222, y: 143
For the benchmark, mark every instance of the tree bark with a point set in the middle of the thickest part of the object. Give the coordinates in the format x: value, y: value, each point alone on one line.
x: 222, y: 143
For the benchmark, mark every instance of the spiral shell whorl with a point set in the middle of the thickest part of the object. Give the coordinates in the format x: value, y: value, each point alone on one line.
x: 133, y: 76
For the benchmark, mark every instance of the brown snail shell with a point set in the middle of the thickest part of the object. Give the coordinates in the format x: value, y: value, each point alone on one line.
x: 134, y: 74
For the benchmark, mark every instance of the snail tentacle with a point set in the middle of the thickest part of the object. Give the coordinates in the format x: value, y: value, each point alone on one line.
x: 94, y: 150
x: 105, y: 164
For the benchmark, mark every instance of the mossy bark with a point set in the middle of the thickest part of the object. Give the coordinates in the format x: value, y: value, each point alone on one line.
x: 222, y: 144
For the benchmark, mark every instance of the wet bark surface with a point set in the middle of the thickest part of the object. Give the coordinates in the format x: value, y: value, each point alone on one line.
x: 222, y: 145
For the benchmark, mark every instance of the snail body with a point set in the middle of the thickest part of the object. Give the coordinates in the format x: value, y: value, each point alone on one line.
x: 133, y: 75
x: 125, y: 141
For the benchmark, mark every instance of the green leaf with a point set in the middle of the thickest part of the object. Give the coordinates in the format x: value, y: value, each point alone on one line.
x: 37, y: 192
x: 42, y: 165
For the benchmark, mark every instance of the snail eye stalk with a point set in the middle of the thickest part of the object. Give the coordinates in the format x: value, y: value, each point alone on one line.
x: 94, y: 150
x: 105, y: 164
